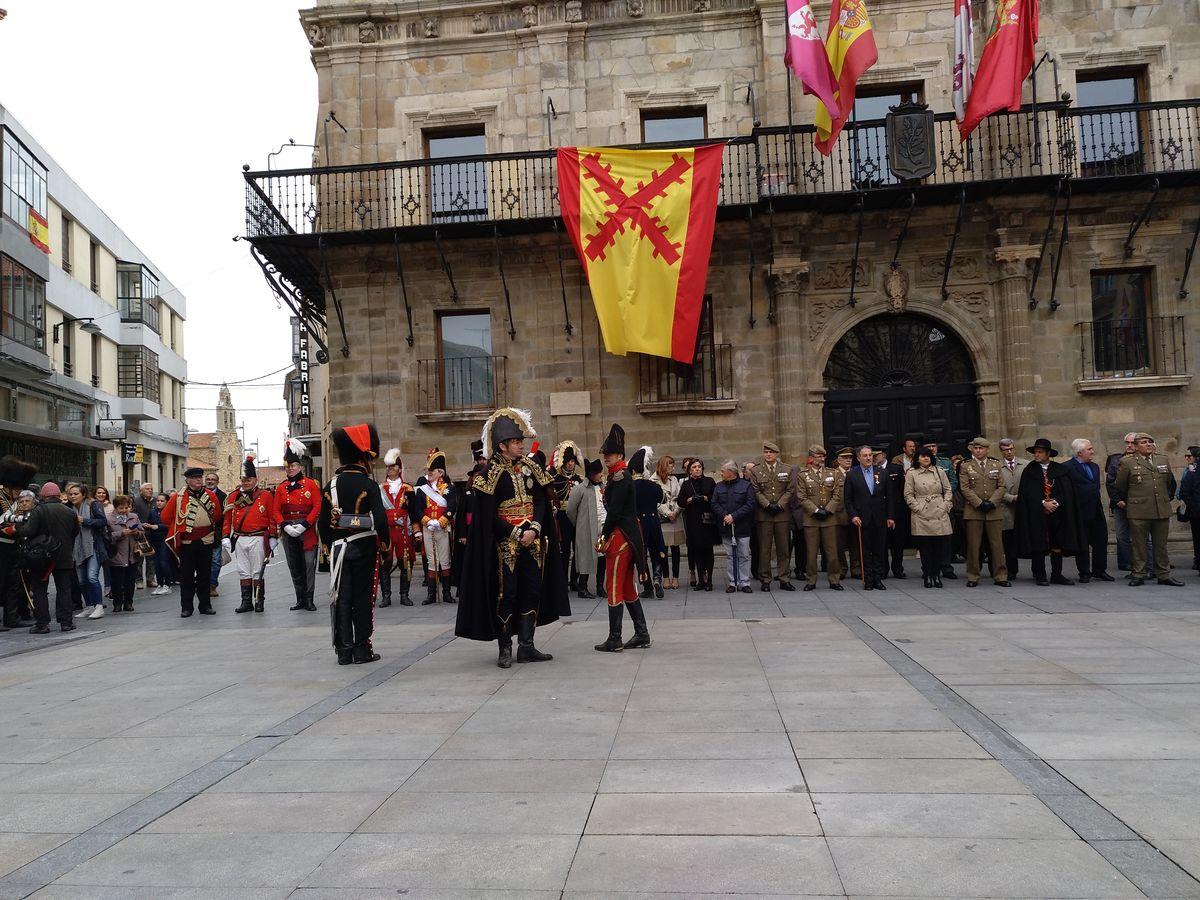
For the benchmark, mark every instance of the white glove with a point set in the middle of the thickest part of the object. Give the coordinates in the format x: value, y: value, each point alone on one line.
x: 434, y: 525
x: 295, y: 529
x: 272, y: 543
x: 226, y: 546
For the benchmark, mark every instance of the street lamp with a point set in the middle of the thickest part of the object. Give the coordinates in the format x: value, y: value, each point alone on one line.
x: 90, y: 326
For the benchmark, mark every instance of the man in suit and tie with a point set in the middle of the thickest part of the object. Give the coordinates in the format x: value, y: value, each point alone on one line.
x: 869, y: 504
x: 1010, y: 471
x: 1092, y: 556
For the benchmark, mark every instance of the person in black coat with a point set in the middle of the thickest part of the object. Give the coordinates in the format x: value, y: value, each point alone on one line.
x: 1046, y: 522
x: 1189, y: 493
x: 870, y: 506
x: 733, y: 503
x: 648, y: 494
x: 353, y: 527
x: 57, y: 522
x: 1092, y: 555
x: 699, y: 522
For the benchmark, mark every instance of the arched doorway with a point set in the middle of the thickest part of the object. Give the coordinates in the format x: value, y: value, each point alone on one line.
x: 890, y: 376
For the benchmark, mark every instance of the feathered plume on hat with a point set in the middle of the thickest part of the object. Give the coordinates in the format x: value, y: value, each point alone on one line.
x: 294, y: 450
x: 248, y: 470
x: 642, y: 461
x: 392, y: 458
x: 15, y: 473
x: 505, y: 425
x: 566, y: 450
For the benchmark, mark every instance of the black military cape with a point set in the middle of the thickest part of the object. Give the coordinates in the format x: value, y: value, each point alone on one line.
x: 1037, y: 532
x: 479, y: 584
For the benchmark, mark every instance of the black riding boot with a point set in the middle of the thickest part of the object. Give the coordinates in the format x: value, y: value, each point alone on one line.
x: 385, y: 586
x: 430, y: 593
x: 247, y: 602
x: 1056, y: 575
x: 505, y: 660
x: 258, y: 592
x: 641, y: 634
x: 613, y: 644
x: 526, y: 652
x: 584, y: 593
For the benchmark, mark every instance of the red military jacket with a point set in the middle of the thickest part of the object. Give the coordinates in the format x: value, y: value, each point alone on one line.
x: 299, y: 501
x: 181, y: 517
x: 397, y: 514
x: 250, y: 514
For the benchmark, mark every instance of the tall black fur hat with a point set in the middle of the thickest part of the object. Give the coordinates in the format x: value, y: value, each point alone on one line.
x: 16, y: 473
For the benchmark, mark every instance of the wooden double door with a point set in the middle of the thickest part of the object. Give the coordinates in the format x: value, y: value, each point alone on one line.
x: 884, y: 417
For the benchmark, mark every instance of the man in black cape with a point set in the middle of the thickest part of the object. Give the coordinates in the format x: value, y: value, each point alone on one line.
x: 1045, y: 514
x: 512, y: 577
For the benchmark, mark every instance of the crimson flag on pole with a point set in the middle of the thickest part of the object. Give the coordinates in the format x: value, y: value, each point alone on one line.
x: 1006, y: 63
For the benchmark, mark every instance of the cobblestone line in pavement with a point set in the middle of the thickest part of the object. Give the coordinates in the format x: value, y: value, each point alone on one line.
x: 47, y: 868
x: 1147, y: 867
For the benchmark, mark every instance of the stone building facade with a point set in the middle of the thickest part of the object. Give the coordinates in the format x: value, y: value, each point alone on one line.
x: 790, y: 350
x: 219, y: 451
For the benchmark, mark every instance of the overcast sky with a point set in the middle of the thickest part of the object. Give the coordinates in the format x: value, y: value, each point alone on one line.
x: 152, y: 107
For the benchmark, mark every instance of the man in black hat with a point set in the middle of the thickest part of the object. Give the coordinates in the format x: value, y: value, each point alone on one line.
x: 297, y: 506
x: 512, y: 580
x: 565, y: 469
x: 250, y: 535
x: 648, y: 495
x: 14, y: 478
x: 621, y: 543
x: 353, y: 528
x: 1045, y: 514
x: 433, y: 509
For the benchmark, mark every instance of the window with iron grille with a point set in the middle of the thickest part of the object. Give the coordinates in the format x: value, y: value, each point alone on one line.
x: 68, y: 347
x: 137, y: 373
x: 24, y: 182
x: 137, y: 294
x: 22, y: 305
x: 1110, y: 141
x: 97, y: 359
x: 466, y: 374
x: 458, y: 189
x: 1120, y: 321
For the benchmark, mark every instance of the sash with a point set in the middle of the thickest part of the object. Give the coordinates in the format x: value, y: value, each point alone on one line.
x: 433, y: 494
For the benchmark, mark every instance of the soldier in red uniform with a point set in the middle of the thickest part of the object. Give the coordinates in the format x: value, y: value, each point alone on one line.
x: 432, y: 511
x: 250, y: 534
x: 297, y: 506
x: 397, y: 494
x: 193, y: 517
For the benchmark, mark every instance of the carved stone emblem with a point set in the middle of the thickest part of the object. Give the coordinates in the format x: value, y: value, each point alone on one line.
x: 967, y: 267
x: 833, y: 275
x: 368, y: 33
x: 895, y: 288
x: 635, y: 8
x: 702, y: 6
x: 316, y: 35
x: 574, y: 10
x: 432, y: 27
x: 820, y: 311
x: 910, y: 141
x: 479, y: 23
x: 529, y: 15
x: 976, y: 304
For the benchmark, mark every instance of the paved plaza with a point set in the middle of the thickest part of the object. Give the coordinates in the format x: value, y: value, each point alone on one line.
x: 1001, y: 743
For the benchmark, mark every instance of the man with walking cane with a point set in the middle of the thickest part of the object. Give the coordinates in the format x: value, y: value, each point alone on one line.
x: 733, y: 503
x: 433, y: 508
x: 869, y: 504
x: 250, y: 534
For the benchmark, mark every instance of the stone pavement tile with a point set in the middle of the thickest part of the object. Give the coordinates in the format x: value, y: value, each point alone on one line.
x: 145, y: 776
x: 448, y: 862
x: 719, y: 745
x: 221, y: 813
x: 343, y: 722
x: 1142, y: 776
x: 481, y: 813
x: 901, y: 696
x: 1186, y: 854
x: 209, y: 861
x: 650, y: 697
x: 421, y: 893
x: 18, y: 849
x: 975, y: 867
x: 905, y: 719
x: 495, y: 718
x: 701, y: 721
x: 898, y: 776
x: 58, y: 891
x: 323, y: 776
x: 712, y: 814
x: 641, y: 895
x: 532, y: 745
x: 69, y: 813
x: 551, y: 776
x: 439, y: 701
x: 356, y: 745
x: 885, y: 745
x: 938, y: 815
x: 1157, y: 817
x: 179, y: 724
x: 697, y: 865
x: 17, y: 749
x: 703, y: 776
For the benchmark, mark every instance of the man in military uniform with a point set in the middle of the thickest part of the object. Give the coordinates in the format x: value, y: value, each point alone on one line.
x: 774, y: 484
x: 250, y: 535
x: 512, y: 581
x: 193, y: 515
x: 354, y: 529
x: 819, y: 490
x: 565, y: 463
x: 621, y: 543
x: 397, y: 495
x: 297, y: 506
x: 1146, y: 483
x: 434, y: 503
x: 982, y: 484
x: 848, y: 561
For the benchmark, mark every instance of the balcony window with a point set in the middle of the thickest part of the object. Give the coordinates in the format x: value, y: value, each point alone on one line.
x: 457, y: 190
x: 868, y: 145
x: 675, y: 125
x: 1123, y: 340
x: 22, y: 305
x: 466, y: 374
x: 137, y: 373
x: 1110, y: 142
x: 137, y: 295
x: 708, y: 377
x: 24, y: 182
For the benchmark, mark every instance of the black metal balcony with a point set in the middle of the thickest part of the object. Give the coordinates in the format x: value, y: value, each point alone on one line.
x: 1132, y: 347
x: 709, y: 377
x: 461, y: 384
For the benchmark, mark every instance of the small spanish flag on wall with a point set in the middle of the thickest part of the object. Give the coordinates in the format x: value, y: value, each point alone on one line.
x: 642, y: 223
x: 39, y: 231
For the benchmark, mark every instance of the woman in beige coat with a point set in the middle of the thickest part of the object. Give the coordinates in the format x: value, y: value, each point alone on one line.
x: 928, y: 494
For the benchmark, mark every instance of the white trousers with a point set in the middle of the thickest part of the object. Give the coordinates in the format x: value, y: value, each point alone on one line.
x: 437, y: 549
x: 249, y: 553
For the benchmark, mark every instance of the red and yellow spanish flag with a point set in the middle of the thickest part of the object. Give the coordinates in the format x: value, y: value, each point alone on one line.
x: 850, y: 44
x: 39, y: 231
x: 642, y: 223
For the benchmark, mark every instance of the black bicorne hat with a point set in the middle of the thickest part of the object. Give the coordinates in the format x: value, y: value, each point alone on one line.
x: 637, y: 462
x: 356, y: 443
x: 477, y: 449
x: 615, y: 442
x: 505, y: 429
x: 592, y: 467
x: 538, y: 457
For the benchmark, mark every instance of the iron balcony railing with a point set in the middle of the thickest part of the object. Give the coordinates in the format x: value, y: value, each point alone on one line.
x: 1052, y: 140
x: 461, y: 383
x: 1132, y: 347
x: 709, y: 377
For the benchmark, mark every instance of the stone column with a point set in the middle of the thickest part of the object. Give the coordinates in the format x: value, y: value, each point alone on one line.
x: 785, y: 283
x: 1014, y: 338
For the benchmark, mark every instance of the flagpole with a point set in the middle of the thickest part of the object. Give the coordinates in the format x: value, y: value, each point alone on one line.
x: 791, y: 134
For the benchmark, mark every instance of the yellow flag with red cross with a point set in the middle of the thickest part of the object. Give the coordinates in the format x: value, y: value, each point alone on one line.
x: 642, y: 223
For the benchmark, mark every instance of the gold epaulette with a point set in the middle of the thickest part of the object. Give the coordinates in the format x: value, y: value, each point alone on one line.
x: 540, y: 475
x: 485, y: 483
